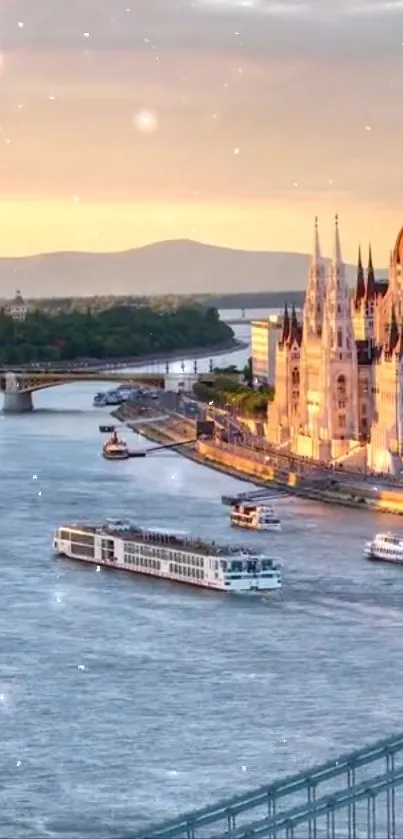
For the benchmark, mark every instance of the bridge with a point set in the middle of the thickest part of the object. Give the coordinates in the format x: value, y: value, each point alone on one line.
x: 359, y: 794
x: 18, y: 384
x: 18, y: 387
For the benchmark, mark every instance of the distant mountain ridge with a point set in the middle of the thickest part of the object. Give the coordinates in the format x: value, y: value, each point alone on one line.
x: 179, y: 266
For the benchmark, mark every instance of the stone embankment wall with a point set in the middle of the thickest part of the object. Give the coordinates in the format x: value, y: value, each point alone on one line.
x: 340, y: 492
x: 174, y: 428
x: 224, y: 458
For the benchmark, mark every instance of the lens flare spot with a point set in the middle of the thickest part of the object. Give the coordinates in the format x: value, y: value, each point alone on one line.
x: 145, y: 121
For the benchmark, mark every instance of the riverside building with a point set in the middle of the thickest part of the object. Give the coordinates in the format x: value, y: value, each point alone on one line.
x: 339, y: 369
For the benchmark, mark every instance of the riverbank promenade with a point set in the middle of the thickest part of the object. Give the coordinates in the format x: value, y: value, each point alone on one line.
x: 358, y: 794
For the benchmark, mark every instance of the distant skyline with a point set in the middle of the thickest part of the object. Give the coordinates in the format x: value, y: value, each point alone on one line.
x: 231, y: 122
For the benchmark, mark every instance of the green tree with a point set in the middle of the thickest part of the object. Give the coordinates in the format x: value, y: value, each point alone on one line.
x: 118, y: 332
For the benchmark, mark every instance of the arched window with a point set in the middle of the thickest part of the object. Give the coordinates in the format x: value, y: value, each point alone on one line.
x: 295, y: 377
x: 341, y: 387
x: 339, y: 338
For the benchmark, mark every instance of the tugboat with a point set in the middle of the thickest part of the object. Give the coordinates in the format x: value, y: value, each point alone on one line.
x: 115, y: 448
x: 254, y: 516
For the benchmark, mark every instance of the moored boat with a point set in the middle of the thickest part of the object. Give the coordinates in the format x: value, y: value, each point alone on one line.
x: 254, y: 516
x: 169, y: 556
x: 115, y: 448
x: 110, y: 398
x: 385, y: 547
x: 99, y: 400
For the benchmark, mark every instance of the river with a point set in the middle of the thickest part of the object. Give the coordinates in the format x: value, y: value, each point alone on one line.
x: 125, y: 700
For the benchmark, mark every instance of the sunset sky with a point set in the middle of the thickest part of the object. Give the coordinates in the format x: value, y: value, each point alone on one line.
x: 234, y: 122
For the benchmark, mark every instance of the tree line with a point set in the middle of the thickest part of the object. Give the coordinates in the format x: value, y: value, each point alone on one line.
x: 233, y: 389
x: 117, y: 332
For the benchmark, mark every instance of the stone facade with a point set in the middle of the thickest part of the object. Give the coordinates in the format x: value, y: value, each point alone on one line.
x: 339, y: 373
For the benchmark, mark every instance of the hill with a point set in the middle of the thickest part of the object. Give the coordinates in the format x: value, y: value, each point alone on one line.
x: 178, y: 266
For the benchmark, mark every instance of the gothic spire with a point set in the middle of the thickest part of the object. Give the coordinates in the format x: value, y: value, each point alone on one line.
x: 286, y: 326
x: 360, y: 284
x: 338, y: 328
x: 315, y: 293
x: 393, y: 336
x: 337, y: 257
x: 295, y: 332
x: 370, y: 290
x: 316, y: 251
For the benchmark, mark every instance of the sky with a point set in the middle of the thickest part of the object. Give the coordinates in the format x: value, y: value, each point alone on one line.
x: 232, y: 122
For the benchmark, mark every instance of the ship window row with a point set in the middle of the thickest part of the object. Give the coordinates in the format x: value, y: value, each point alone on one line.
x: 186, y: 571
x: 142, y: 562
x: 81, y: 538
x: 81, y: 549
x: 162, y: 553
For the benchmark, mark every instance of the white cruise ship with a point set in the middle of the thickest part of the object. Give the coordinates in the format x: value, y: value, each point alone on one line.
x: 385, y: 547
x: 169, y: 556
x: 254, y: 516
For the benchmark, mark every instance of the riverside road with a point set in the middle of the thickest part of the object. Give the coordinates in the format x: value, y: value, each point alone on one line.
x: 125, y: 700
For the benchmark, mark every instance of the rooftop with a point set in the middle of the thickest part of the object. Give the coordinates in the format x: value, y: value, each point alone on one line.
x: 18, y: 300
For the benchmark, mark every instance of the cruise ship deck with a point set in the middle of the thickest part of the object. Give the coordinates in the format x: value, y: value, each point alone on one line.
x: 160, y: 538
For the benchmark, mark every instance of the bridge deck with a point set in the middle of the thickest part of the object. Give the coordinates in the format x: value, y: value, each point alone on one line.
x: 30, y: 381
x: 351, y: 796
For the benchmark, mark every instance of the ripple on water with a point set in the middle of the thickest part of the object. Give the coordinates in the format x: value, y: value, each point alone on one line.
x: 122, y: 699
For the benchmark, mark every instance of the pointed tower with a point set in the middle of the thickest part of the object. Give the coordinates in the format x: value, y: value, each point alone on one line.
x: 339, y: 420
x: 393, y: 334
x: 295, y: 329
x: 338, y: 332
x: 315, y: 293
x: 286, y: 326
x: 360, y: 284
x: 311, y: 351
x: 370, y: 292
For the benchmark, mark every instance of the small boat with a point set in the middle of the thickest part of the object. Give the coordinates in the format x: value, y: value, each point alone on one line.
x: 254, y: 516
x: 385, y: 547
x: 124, y: 393
x: 99, y: 400
x: 110, y: 398
x: 115, y: 448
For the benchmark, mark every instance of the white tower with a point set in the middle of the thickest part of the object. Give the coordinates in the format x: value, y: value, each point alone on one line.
x: 315, y: 293
x: 339, y: 415
x: 311, y: 350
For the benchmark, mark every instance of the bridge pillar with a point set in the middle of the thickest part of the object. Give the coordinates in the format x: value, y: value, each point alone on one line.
x: 17, y: 403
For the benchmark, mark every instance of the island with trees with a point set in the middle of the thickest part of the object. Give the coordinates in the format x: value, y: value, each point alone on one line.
x: 121, y: 332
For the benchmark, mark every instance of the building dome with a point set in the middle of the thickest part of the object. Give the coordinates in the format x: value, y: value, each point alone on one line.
x: 18, y: 299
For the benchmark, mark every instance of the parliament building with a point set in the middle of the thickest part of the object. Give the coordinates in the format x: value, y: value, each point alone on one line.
x: 339, y: 372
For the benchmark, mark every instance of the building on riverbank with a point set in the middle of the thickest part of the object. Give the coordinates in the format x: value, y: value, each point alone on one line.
x: 339, y: 371
x: 17, y: 307
x: 265, y: 335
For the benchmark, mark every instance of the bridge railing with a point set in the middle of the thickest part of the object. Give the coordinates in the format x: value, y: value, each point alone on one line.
x: 352, y: 796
